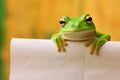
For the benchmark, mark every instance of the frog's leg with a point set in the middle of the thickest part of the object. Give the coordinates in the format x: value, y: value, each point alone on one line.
x: 99, y: 41
x: 98, y: 46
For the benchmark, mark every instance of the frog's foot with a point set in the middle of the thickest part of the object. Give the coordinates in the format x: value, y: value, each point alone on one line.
x: 96, y: 45
x: 60, y: 42
x: 88, y: 43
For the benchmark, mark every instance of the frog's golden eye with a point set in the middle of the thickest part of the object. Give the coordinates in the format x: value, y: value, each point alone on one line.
x: 88, y: 19
x: 62, y: 21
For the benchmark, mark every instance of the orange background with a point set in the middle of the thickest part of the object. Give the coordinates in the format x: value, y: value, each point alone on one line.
x: 39, y: 18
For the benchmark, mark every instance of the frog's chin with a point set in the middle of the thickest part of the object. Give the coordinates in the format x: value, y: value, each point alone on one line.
x: 79, y: 35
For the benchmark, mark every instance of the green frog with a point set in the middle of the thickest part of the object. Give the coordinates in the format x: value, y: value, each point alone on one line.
x: 79, y: 29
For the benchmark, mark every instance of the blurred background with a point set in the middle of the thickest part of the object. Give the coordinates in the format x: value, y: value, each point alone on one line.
x: 39, y: 19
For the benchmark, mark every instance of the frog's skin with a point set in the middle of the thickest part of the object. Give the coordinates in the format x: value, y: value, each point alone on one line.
x: 79, y: 29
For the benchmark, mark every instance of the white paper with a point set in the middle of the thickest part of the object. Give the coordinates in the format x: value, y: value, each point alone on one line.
x: 39, y: 60
x: 106, y: 66
x: 36, y: 59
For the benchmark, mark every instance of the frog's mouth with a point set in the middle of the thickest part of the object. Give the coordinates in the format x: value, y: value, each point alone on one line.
x: 79, y: 35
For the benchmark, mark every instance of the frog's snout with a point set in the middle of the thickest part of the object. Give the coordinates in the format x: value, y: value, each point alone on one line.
x: 76, y: 24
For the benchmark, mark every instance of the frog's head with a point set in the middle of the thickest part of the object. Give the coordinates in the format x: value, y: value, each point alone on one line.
x: 77, y: 28
x: 76, y: 24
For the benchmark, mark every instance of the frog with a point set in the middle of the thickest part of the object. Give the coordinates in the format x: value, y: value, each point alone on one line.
x: 80, y: 29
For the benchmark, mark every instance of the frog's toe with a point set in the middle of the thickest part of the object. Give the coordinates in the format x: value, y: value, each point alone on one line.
x: 92, y: 50
x: 98, y: 45
x: 56, y: 40
x: 88, y: 43
x: 64, y: 42
x: 93, y: 46
x: 58, y: 48
x: 61, y: 43
x: 57, y: 44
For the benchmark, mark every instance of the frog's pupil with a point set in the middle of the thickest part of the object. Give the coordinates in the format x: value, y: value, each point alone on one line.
x: 61, y: 22
x: 89, y: 19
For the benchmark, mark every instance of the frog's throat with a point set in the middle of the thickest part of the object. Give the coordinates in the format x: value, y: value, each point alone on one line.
x: 79, y: 35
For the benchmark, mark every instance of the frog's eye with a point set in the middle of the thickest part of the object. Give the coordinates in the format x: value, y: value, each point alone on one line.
x: 88, y: 19
x: 62, y: 21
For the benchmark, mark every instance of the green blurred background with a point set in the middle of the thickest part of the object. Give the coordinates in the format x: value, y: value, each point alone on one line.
x: 39, y: 19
